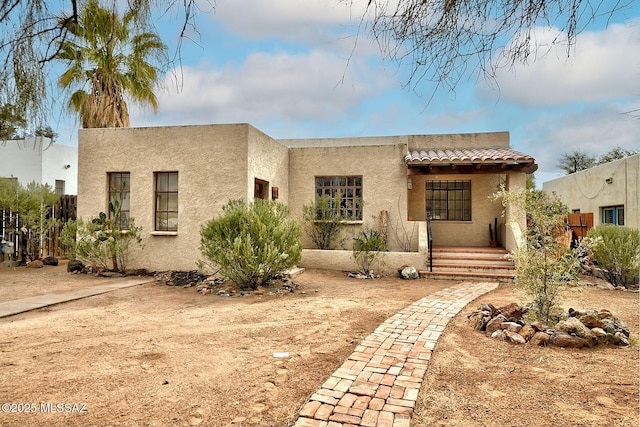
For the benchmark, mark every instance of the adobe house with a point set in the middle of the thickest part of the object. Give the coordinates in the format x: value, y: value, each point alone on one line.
x: 609, y: 191
x: 178, y: 177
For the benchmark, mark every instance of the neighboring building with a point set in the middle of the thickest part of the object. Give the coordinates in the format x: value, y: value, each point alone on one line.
x: 38, y: 159
x: 609, y: 191
x: 174, y: 179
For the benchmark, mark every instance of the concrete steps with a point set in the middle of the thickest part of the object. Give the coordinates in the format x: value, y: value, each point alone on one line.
x: 470, y: 263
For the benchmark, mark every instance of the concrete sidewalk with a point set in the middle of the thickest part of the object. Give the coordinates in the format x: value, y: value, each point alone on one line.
x: 9, y: 308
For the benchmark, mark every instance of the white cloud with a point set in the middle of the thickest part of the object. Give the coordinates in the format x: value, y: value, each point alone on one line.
x: 292, y: 20
x: 595, y: 131
x: 603, y: 65
x: 266, y: 87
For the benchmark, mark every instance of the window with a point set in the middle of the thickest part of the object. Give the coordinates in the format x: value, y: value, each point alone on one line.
x: 260, y: 189
x: 348, y: 189
x: 613, y: 215
x: 120, y: 197
x: 166, y: 217
x: 59, y: 187
x: 449, y: 200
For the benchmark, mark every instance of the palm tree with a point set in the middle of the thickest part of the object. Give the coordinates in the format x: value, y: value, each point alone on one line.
x: 109, y: 55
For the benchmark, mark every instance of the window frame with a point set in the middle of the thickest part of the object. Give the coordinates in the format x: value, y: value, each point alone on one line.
x: 168, y: 192
x: 60, y: 187
x: 617, y: 215
x: 125, y: 211
x: 450, y: 192
x: 350, y: 188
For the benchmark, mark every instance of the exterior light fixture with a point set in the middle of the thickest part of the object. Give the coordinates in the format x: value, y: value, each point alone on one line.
x: 409, y: 183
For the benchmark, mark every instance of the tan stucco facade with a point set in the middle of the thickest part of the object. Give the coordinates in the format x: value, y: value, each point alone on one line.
x: 608, y: 185
x: 217, y: 163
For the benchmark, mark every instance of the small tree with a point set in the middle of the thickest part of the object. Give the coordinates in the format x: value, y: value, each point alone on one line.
x: 368, y: 247
x: 618, y: 253
x: 251, y: 243
x: 323, y: 220
x: 33, y: 205
x: 545, y: 265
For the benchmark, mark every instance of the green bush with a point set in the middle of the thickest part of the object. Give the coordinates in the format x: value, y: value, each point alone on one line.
x: 323, y: 221
x: 100, y: 243
x: 617, y: 253
x: 251, y: 243
x: 368, y: 248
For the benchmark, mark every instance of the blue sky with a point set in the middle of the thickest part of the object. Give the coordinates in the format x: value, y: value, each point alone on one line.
x: 295, y: 69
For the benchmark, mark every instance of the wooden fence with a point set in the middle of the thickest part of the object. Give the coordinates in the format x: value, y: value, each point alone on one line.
x: 18, y: 245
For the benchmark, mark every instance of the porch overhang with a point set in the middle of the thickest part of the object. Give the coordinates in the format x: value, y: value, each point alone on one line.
x: 468, y: 161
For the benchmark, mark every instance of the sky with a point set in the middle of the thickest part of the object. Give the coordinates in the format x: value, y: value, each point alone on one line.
x: 303, y: 69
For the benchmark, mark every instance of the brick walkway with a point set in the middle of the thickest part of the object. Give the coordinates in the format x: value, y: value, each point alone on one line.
x: 378, y: 385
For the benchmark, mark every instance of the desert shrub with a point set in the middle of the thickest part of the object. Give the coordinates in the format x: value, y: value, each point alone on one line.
x: 68, y: 237
x: 544, y: 263
x: 368, y: 248
x: 100, y: 242
x: 323, y: 221
x: 251, y: 243
x: 617, y: 253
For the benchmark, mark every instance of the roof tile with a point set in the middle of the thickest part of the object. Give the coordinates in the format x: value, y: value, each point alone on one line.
x: 466, y: 156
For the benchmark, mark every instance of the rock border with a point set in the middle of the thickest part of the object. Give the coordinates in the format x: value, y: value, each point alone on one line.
x: 576, y: 328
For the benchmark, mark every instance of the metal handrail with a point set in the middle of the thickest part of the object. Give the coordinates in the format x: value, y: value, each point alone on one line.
x: 430, y: 242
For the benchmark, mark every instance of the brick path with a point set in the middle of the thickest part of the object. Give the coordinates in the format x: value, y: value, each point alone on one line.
x: 378, y: 385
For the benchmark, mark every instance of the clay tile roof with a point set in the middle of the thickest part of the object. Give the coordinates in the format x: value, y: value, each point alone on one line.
x: 460, y: 156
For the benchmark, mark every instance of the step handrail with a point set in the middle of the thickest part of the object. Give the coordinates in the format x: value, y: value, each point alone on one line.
x: 430, y: 242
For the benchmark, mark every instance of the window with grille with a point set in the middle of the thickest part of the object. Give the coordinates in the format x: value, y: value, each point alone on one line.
x: 613, y: 215
x: 448, y: 200
x: 345, y: 191
x: 120, y: 198
x: 166, y: 212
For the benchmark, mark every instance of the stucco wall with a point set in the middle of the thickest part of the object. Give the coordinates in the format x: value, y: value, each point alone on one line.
x: 588, y: 190
x: 268, y: 160
x: 459, y: 140
x: 384, y: 181
x: 344, y: 261
x: 484, y: 210
x: 37, y: 159
x: 211, y: 162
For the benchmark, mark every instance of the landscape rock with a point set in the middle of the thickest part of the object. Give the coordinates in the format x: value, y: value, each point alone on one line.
x: 180, y: 278
x: 601, y: 335
x: 514, y: 337
x: 511, y: 326
x: 512, y: 311
x: 527, y: 332
x: 577, y: 329
x: 75, y: 265
x: 573, y: 326
x: 613, y: 324
x: 539, y: 338
x: 50, y: 260
x: 35, y: 264
x: 499, y: 335
x: 562, y: 339
x: 495, y: 324
x: 409, y: 273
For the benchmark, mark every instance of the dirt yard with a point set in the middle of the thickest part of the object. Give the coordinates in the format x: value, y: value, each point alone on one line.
x: 168, y: 356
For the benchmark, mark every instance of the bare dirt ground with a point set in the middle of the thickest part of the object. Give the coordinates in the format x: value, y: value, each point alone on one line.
x: 160, y: 355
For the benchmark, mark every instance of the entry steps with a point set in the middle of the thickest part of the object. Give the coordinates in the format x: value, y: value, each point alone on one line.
x: 470, y: 263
